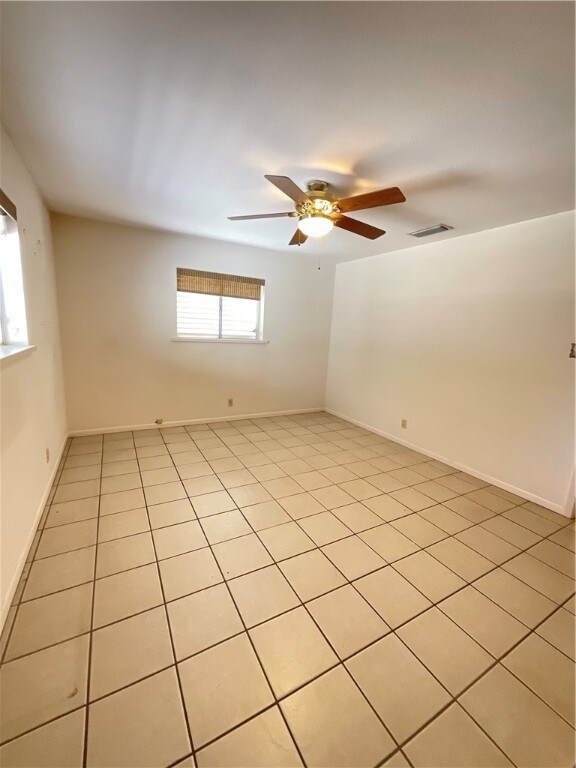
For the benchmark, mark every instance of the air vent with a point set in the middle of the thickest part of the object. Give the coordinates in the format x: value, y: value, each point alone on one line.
x: 436, y: 229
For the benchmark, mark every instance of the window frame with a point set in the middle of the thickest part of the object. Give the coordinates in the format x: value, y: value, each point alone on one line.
x: 221, y: 339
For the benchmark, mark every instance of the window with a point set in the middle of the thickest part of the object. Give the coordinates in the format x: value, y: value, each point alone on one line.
x: 13, y: 330
x: 210, y: 305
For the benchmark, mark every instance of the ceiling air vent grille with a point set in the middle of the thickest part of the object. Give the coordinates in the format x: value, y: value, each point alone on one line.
x: 436, y: 229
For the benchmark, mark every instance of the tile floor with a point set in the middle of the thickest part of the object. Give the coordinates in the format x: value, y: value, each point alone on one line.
x: 287, y: 591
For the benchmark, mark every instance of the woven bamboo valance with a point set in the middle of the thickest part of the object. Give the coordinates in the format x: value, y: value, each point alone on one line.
x: 195, y: 281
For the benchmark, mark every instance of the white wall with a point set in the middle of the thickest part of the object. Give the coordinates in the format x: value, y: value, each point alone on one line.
x: 32, y: 414
x: 467, y: 339
x: 117, y: 296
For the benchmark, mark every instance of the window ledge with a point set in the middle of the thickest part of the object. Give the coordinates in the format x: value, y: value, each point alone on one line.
x: 219, y: 341
x: 15, y: 350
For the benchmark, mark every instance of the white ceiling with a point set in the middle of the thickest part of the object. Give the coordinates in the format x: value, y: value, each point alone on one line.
x: 169, y: 114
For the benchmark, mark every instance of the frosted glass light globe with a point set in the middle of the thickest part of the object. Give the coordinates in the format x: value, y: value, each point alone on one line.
x: 315, y: 226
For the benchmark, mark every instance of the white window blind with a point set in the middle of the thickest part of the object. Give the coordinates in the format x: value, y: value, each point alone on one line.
x: 210, y: 305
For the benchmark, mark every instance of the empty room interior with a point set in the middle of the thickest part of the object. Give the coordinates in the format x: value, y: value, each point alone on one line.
x: 287, y: 367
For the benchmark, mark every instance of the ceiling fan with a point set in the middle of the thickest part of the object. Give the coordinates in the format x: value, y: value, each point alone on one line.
x: 317, y: 210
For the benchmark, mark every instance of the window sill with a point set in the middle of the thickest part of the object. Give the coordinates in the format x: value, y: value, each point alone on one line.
x: 219, y: 341
x: 15, y: 350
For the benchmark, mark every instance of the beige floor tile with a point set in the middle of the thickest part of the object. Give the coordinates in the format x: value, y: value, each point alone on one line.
x: 357, y: 517
x: 246, y: 495
x: 225, y: 526
x: 171, y: 513
x: 263, y: 742
x: 123, y: 554
x: 555, y: 556
x: 571, y: 605
x: 446, y: 519
x: 384, y: 463
x: 332, y: 497
x: 469, y: 509
x: 413, y: 499
x: 511, y: 532
x: 360, y: 489
x: 124, y: 594
x: 398, y: 686
x: 389, y: 543
x: 392, y: 596
x: 485, y: 543
x: 292, y: 650
x: 347, y: 620
x: 80, y: 490
x: 183, y: 457
x: 385, y: 482
x: 321, y: 462
x: 162, y: 494
x: 241, y: 555
x: 76, y: 474
x: 123, y: 524
x: 488, y: 624
x: 435, y: 491
x: 198, y: 486
x: 452, y: 657
x: 548, y: 514
x: 527, y: 605
x: 407, y: 476
x: 122, y: 501
x: 65, y: 737
x: 84, y: 459
x: 226, y: 464
x: 541, y: 577
x: 263, y: 594
x: 491, y: 501
x: 266, y: 472
x: 526, y: 729
x: 300, y: 505
x: 311, y: 574
x: 203, y: 619
x: 189, y: 573
x: 457, y: 484
x: 437, y: 747
x: 419, y: 530
x: 363, y: 469
x: 66, y: 538
x: 559, y: 630
x: 60, y: 572
x: 153, y: 462
x: 530, y: 520
x: 387, y: 508
x: 294, y: 467
x: 429, y: 576
x: 565, y: 538
x: 324, y: 528
x: 151, y: 450
x: 222, y: 687
x: 282, y: 487
x: 338, y: 475
x: 159, y: 476
x: 72, y: 511
x: 265, y: 515
x: 178, y: 539
x: 334, y: 726
x: 42, y: 686
x: 129, y: 650
x: 285, y: 541
x: 397, y: 760
x: 141, y: 725
x: 546, y: 671
x: 121, y: 482
x: 237, y: 478
x: 465, y: 562
x: 213, y: 503
x: 200, y: 469
x: 312, y: 480
x: 353, y: 557
x: 51, y: 619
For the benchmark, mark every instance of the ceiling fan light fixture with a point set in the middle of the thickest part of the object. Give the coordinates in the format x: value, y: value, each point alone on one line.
x: 315, y: 225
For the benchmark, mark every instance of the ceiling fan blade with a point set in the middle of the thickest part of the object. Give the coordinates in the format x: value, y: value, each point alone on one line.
x: 261, y: 216
x: 289, y: 188
x: 371, y: 200
x: 358, y: 227
x: 298, y: 238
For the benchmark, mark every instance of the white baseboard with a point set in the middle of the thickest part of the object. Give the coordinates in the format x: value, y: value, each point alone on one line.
x: 7, y: 602
x: 181, y: 423
x: 565, y: 509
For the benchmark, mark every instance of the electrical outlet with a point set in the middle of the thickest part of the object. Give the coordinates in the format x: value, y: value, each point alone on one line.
x: 47, y: 455
x: 404, y: 423
x: 230, y: 402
